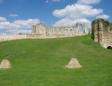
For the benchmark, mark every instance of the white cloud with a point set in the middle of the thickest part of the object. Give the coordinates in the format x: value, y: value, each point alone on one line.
x: 88, y: 1
x: 14, y: 15
x: 16, y: 31
x: 71, y: 22
x: 16, y: 25
x: 8, y: 25
x: 103, y: 16
x: 26, y: 23
x: 75, y: 13
x: 2, y: 19
x: 64, y: 22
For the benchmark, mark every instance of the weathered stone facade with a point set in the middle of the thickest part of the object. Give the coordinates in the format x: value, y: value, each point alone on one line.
x: 40, y: 31
x: 102, y: 32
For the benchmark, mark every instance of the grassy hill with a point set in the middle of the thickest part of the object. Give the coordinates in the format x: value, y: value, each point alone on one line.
x: 42, y: 62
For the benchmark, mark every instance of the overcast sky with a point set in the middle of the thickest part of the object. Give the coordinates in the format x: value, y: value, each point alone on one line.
x: 18, y: 16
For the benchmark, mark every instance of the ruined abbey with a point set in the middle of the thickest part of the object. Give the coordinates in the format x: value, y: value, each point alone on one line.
x: 102, y: 32
x: 40, y: 31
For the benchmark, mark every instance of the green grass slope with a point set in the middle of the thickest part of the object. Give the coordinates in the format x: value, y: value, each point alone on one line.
x: 42, y: 62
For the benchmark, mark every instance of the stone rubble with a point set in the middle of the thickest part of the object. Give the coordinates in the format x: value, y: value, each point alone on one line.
x: 73, y: 64
x: 5, y: 64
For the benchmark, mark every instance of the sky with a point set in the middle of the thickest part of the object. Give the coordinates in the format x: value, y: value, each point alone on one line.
x: 18, y: 16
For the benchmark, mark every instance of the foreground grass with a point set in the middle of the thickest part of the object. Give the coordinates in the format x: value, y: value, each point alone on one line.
x: 42, y: 62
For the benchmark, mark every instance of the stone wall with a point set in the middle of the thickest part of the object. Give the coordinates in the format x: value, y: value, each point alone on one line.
x: 102, y: 32
x: 11, y: 37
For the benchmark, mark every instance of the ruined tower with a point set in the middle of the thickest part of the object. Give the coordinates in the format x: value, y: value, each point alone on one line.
x: 102, y: 32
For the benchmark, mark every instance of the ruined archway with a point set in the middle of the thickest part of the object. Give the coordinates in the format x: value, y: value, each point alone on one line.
x: 81, y: 28
x: 109, y: 47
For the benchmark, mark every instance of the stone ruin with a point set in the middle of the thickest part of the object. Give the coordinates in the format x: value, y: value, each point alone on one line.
x: 73, y: 64
x: 40, y: 31
x: 102, y: 32
x: 5, y: 64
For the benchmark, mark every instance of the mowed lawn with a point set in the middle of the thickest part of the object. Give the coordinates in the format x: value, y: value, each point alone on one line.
x: 42, y: 62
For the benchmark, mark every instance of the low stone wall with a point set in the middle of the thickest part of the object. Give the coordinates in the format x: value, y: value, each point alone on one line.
x: 41, y: 36
x: 11, y: 37
x: 34, y: 36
